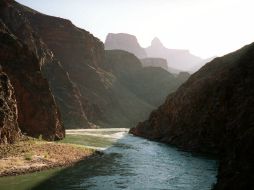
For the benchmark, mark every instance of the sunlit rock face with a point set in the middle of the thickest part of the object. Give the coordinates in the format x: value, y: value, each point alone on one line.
x: 178, y: 59
x: 127, y: 42
x: 37, y: 111
x: 213, y: 112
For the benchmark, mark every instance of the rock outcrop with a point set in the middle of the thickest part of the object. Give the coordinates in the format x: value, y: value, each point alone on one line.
x: 126, y: 42
x: 37, y: 110
x: 155, y: 62
x: 9, y: 130
x: 213, y: 112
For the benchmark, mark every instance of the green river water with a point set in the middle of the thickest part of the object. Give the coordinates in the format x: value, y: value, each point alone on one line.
x: 128, y: 162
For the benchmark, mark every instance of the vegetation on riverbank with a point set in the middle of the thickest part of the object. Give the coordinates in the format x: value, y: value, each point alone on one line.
x: 30, y: 155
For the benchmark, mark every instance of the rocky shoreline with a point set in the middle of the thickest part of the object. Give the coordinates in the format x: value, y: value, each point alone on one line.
x: 32, y: 155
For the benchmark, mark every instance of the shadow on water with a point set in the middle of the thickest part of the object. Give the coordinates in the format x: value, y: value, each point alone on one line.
x: 101, y: 171
x: 75, y: 177
x: 133, y: 163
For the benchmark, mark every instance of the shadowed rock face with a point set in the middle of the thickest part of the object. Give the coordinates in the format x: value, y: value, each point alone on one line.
x: 67, y: 95
x: 213, y: 112
x: 9, y: 130
x: 124, y: 42
x: 82, y: 56
x: 37, y: 111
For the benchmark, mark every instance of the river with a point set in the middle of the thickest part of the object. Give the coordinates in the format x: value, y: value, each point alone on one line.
x: 128, y: 163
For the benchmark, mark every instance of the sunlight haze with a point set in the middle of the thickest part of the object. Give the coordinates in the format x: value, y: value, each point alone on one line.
x: 205, y: 27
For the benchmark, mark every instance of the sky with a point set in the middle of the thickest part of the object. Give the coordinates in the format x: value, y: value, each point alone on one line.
x: 205, y: 27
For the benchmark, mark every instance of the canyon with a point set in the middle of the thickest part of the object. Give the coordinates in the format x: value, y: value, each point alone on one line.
x: 56, y: 76
x: 63, y: 77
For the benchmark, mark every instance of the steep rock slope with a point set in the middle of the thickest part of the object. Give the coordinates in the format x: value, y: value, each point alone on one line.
x: 213, y: 112
x: 9, y: 130
x: 126, y: 42
x: 66, y: 94
x: 37, y: 111
x: 81, y: 55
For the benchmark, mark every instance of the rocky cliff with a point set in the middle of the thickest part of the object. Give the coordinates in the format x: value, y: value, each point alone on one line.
x: 213, y: 112
x: 67, y: 95
x: 37, y: 111
x: 81, y: 56
x: 9, y: 130
x: 127, y: 42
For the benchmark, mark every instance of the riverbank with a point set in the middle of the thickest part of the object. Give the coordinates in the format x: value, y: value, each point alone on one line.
x: 31, y: 155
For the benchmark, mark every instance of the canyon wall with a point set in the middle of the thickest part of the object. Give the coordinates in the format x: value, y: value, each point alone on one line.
x: 37, y: 110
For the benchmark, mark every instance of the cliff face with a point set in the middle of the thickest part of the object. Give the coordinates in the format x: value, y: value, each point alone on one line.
x: 124, y: 42
x: 81, y: 55
x: 213, y: 112
x: 67, y: 95
x: 37, y: 111
x: 9, y: 130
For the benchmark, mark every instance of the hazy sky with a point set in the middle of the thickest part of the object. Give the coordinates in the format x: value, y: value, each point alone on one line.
x: 205, y: 27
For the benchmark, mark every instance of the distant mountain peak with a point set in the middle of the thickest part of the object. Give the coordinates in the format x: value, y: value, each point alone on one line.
x: 156, y: 42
